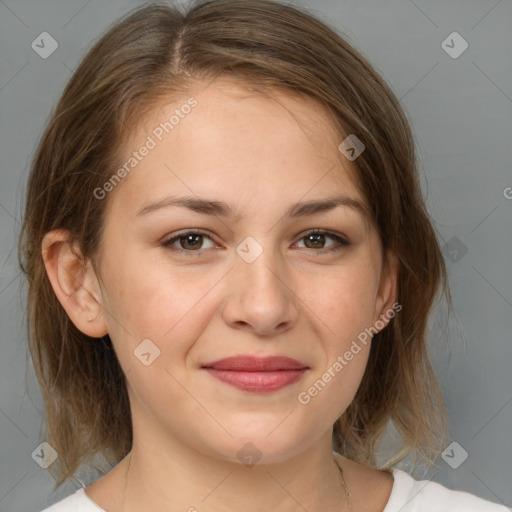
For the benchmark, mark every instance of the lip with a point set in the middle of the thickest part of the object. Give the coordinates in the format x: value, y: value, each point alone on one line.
x: 248, y: 363
x: 257, y: 374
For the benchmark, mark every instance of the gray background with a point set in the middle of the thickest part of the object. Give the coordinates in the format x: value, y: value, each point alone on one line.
x: 461, y: 113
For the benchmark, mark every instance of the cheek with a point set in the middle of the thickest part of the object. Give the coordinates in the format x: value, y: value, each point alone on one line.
x: 150, y: 299
x: 333, y: 386
x: 342, y: 306
x: 344, y: 300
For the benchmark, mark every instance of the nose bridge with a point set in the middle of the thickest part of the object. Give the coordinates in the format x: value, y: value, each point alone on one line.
x: 260, y: 297
x: 259, y: 262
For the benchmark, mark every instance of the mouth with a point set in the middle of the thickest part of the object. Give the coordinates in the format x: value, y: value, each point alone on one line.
x: 257, y: 374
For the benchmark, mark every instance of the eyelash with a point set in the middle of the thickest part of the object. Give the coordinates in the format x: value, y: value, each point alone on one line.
x: 340, y: 241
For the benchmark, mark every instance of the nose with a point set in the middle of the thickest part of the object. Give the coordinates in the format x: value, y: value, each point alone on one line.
x: 261, y: 298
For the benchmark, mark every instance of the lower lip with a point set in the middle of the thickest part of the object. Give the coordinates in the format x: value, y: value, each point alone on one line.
x: 258, y: 382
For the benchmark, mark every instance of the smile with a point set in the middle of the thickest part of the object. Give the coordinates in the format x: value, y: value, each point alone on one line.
x: 258, y: 382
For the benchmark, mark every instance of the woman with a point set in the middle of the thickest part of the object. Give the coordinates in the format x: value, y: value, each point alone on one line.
x: 231, y: 269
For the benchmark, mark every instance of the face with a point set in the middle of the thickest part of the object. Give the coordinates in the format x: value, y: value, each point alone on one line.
x: 246, y: 279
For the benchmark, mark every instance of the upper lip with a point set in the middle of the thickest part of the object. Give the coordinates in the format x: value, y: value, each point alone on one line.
x: 250, y: 363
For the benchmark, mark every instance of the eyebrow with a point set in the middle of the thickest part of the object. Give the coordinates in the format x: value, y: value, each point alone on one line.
x: 219, y: 208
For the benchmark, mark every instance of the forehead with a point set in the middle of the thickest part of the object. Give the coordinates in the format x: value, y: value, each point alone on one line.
x: 239, y: 137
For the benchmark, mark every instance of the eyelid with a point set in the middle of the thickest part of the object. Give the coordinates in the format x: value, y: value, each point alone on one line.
x: 333, y: 234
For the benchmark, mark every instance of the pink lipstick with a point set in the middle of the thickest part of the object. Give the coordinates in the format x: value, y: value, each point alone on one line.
x: 257, y: 374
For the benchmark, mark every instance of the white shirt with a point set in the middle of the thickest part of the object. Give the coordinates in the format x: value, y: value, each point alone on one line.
x: 407, y: 495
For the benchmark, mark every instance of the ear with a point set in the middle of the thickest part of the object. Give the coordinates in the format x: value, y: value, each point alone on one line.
x: 385, y: 305
x: 74, y: 282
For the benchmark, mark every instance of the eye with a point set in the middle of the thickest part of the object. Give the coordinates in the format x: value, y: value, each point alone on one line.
x: 190, y: 241
x: 317, y: 237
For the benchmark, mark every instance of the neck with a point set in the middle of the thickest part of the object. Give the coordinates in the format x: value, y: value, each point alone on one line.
x: 157, y: 481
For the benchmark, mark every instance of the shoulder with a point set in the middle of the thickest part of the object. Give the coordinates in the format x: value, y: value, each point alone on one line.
x: 76, y: 502
x: 410, y: 495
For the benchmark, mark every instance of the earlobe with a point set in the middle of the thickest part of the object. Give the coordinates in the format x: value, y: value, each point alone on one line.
x: 74, y: 283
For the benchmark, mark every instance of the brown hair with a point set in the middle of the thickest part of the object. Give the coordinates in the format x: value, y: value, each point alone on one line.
x: 154, y: 53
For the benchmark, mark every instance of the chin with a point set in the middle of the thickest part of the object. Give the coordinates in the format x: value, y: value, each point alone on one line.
x: 261, y: 443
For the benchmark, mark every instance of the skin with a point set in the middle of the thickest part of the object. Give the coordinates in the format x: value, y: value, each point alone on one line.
x: 259, y: 153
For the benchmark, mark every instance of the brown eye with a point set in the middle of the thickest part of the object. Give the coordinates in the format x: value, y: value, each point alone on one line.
x: 191, y: 241
x: 316, y: 240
